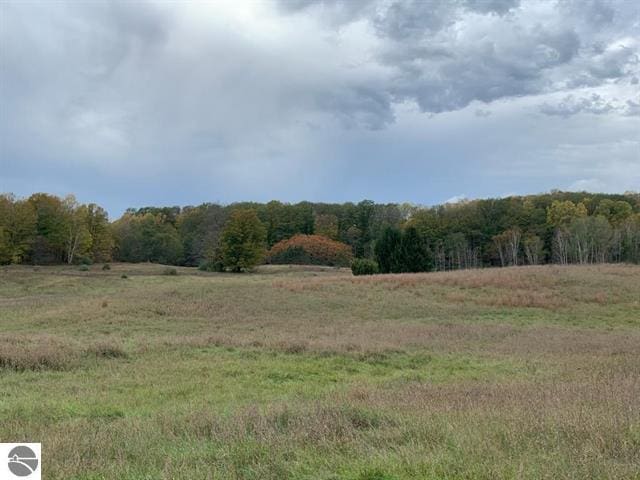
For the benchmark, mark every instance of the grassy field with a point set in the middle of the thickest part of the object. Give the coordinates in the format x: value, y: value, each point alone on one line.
x: 310, y: 373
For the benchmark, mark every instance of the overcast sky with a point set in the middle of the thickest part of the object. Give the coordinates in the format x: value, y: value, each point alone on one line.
x: 135, y: 103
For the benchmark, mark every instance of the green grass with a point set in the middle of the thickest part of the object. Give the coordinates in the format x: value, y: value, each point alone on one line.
x: 220, y: 379
x: 312, y: 374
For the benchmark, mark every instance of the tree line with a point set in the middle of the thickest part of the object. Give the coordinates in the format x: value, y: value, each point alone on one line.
x: 555, y: 227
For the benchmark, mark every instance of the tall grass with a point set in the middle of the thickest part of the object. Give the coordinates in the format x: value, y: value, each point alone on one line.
x: 312, y: 373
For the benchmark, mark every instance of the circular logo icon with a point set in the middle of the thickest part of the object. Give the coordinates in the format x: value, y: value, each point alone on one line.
x: 22, y: 461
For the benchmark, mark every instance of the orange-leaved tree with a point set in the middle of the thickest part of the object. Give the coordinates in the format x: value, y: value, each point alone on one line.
x: 310, y: 250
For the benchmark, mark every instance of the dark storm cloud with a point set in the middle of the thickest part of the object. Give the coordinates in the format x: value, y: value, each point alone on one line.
x: 270, y: 100
x: 444, y: 54
x: 484, y: 69
x: 414, y: 19
x: 444, y: 59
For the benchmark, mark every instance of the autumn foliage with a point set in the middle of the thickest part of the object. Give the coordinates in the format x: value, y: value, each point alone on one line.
x: 310, y: 250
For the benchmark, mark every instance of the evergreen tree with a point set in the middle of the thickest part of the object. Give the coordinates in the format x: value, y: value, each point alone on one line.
x: 388, y: 251
x: 414, y: 253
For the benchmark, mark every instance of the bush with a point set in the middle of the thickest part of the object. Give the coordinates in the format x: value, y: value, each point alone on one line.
x: 211, y: 266
x: 124, y: 275
x: 83, y: 268
x: 106, y: 266
x: 310, y: 250
x: 364, y: 266
x: 85, y: 261
x: 170, y: 271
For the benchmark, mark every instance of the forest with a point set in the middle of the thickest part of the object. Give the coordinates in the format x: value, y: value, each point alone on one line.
x: 555, y: 227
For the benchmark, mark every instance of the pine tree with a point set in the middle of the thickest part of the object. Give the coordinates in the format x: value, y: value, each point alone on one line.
x: 414, y: 253
x: 388, y: 251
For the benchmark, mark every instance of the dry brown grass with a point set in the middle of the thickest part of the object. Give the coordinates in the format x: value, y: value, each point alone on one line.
x: 533, y: 286
x: 51, y: 352
x: 36, y: 352
x: 487, y: 340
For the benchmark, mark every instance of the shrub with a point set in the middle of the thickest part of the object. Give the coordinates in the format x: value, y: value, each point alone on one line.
x: 211, y: 266
x: 310, y: 250
x: 85, y: 261
x: 364, y: 266
x: 106, y: 266
x: 170, y: 271
x: 83, y: 268
x: 124, y: 275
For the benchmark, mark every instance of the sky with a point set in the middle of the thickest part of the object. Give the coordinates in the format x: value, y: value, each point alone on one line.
x: 128, y: 104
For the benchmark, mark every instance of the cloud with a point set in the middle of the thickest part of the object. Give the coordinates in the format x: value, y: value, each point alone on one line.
x: 331, y: 12
x: 499, y: 7
x: 571, y: 105
x: 443, y: 54
x: 632, y: 108
x: 294, y: 99
x: 456, y: 199
x: 445, y: 61
x: 593, y: 104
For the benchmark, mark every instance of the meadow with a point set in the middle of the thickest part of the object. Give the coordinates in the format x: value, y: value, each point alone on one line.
x: 144, y: 372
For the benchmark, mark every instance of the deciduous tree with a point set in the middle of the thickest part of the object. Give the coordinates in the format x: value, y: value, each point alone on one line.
x: 243, y: 240
x: 533, y: 249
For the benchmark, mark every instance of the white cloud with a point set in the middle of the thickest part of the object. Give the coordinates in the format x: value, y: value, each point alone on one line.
x: 456, y: 199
